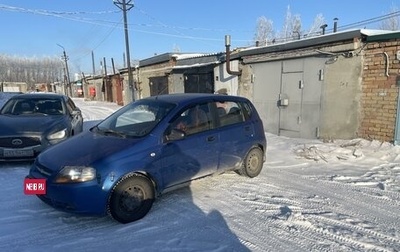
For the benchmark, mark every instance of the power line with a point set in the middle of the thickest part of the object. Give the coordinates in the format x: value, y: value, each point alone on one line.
x: 73, y: 16
x: 370, y: 21
x: 46, y: 12
x: 62, y: 14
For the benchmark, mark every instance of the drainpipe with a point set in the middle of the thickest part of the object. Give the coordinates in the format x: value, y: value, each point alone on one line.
x: 396, y: 131
x: 228, y: 57
x: 387, y: 64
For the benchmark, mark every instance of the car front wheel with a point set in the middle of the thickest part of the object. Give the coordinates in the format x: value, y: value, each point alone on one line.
x: 252, y: 164
x: 131, y: 198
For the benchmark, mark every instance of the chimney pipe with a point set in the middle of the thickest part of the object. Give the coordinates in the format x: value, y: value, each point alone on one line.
x: 228, y: 57
x: 335, y: 24
x: 323, y: 28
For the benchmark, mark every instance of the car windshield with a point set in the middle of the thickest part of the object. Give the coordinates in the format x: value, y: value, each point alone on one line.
x: 30, y: 106
x: 135, y: 120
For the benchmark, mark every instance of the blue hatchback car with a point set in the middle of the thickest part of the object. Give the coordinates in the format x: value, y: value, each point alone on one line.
x: 148, y: 147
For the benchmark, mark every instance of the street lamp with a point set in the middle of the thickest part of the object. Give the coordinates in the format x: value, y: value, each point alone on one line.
x: 126, y: 5
x: 65, y: 58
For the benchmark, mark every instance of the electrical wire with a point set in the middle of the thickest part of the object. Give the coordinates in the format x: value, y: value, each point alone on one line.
x: 369, y: 21
x: 176, y: 29
x: 64, y: 15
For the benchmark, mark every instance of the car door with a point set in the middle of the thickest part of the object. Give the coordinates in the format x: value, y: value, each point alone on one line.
x: 235, y: 134
x: 193, y: 156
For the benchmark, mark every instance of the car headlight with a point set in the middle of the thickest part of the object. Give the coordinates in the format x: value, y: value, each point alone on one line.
x: 58, y: 135
x: 74, y: 174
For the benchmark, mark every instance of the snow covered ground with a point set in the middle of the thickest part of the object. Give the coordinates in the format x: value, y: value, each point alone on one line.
x: 310, y: 196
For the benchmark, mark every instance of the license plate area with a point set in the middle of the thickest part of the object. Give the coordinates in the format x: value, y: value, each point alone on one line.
x: 34, y: 186
x: 17, y: 153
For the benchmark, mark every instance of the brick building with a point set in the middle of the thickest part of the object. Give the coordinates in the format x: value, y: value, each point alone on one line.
x: 380, y: 87
x: 335, y: 86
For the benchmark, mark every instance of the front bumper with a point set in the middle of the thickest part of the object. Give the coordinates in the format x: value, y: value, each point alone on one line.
x: 82, y: 198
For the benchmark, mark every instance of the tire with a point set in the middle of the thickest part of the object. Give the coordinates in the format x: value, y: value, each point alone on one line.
x: 131, y: 198
x: 252, y: 164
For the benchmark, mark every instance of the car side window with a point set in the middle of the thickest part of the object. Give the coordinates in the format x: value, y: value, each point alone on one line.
x: 229, y: 112
x: 70, y: 106
x: 194, y: 119
x: 248, y: 110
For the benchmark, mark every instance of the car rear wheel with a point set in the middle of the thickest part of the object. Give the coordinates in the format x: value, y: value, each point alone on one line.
x: 131, y: 198
x: 252, y: 164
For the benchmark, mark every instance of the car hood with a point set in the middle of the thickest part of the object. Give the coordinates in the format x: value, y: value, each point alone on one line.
x: 14, y: 125
x: 83, y: 149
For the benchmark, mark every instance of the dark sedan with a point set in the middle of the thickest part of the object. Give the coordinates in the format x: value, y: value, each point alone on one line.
x: 29, y: 123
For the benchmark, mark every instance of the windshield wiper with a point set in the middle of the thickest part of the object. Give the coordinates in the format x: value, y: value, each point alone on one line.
x: 111, y: 132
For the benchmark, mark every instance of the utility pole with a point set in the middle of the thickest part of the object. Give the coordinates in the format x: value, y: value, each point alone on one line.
x: 126, y: 5
x: 94, y: 69
x: 65, y: 58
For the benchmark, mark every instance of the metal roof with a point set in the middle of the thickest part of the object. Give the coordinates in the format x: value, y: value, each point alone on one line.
x: 383, y: 36
x: 190, y: 59
x: 165, y: 57
x: 365, y: 35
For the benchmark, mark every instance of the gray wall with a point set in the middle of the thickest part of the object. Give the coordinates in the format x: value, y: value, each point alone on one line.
x: 225, y: 81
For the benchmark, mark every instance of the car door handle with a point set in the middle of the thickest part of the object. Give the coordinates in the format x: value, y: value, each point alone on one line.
x: 210, y: 138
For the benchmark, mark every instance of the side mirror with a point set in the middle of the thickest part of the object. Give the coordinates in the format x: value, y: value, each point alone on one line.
x: 76, y: 112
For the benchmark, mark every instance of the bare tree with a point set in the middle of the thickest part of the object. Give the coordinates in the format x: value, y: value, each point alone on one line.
x: 176, y: 48
x: 287, y: 25
x: 291, y: 29
x: 391, y: 23
x: 30, y: 70
x: 295, y: 27
x: 315, y: 28
x: 264, y: 31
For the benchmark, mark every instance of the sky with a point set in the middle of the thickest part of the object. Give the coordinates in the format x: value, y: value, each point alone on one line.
x: 43, y: 28
x: 341, y: 195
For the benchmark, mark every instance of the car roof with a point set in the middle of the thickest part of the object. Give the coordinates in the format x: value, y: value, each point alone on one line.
x: 190, y: 97
x: 39, y: 95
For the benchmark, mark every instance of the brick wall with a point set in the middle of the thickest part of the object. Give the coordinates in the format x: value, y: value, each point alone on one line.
x: 379, y: 91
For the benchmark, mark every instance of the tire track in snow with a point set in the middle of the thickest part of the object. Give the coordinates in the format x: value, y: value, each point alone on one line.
x: 284, y: 214
x: 215, y: 188
x: 363, y: 204
x: 307, y: 204
x: 260, y: 227
x: 391, y: 200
